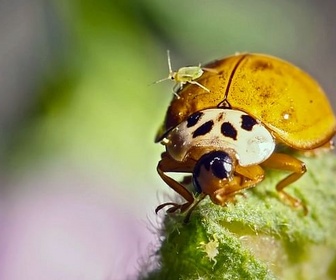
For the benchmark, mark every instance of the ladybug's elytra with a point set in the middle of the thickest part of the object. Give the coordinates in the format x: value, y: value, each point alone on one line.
x: 225, y: 135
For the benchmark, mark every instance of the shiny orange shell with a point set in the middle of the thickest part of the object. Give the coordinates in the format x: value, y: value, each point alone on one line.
x: 286, y: 99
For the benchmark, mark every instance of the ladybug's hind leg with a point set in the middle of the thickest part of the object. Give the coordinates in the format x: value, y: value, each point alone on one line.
x: 296, y: 167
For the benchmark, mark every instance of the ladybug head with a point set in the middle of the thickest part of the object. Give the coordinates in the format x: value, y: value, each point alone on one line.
x: 212, y: 172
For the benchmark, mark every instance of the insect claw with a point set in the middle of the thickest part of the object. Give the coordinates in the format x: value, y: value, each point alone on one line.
x: 176, y: 94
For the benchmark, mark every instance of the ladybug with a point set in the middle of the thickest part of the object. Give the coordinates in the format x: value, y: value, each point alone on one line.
x: 225, y: 136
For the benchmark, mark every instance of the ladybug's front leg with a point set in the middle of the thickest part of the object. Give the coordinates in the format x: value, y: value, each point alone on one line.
x: 287, y: 163
x: 167, y: 164
x: 245, y: 178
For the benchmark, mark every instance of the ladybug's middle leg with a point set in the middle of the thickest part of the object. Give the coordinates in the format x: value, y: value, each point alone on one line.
x: 296, y: 167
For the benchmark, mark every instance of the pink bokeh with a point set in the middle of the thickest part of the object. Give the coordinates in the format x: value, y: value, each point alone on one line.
x: 77, y: 234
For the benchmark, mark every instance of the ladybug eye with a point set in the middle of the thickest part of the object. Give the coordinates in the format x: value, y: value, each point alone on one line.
x: 213, y: 166
x: 221, y: 167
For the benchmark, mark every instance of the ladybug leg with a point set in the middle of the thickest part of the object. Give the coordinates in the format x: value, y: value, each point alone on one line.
x: 252, y: 175
x: 246, y: 177
x: 287, y: 163
x: 224, y: 195
x: 167, y: 164
x: 200, y: 198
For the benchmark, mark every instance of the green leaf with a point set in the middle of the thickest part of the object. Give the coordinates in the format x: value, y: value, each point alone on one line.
x: 259, y: 237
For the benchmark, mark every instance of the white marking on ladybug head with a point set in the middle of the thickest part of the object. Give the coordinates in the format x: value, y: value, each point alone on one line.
x: 222, y: 129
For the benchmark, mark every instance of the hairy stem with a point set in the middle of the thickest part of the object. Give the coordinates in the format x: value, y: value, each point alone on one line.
x: 259, y: 237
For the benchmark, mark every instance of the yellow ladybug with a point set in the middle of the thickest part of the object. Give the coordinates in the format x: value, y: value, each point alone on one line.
x: 226, y: 135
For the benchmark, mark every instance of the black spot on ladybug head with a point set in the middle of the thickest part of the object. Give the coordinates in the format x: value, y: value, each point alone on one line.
x: 228, y: 130
x: 247, y: 122
x: 203, y: 129
x: 193, y: 119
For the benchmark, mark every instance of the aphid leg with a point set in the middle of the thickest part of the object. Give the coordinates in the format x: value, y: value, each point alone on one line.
x: 246, y: 177
x: 211, y: 70
x: 176, y: 94
x: 292, y: 164
x: 201, y: 86
x: 177, y: 87
x: 167, y: 164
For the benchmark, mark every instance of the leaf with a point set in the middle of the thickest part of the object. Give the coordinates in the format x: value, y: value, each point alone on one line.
x: 259, y: 237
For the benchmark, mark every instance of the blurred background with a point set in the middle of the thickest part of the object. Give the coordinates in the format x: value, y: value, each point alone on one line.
x: 79, y: 112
